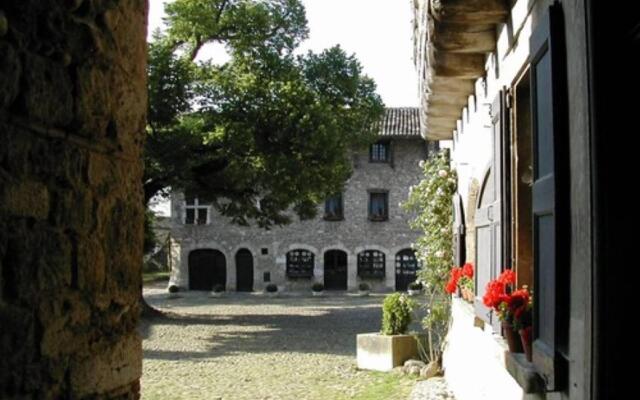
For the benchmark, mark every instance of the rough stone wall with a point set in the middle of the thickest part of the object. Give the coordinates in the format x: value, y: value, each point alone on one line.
x: 352, y: 235
x: 72, y: 119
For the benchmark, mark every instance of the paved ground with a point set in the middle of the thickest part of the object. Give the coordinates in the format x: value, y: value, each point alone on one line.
x: 245, y: 346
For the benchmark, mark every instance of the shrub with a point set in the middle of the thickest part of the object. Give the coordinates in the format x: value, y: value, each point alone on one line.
x: 415, y: 286
x: 397, y: 312
x: 363, y: 287
x: 218, y: 288
x: 317, y: 287
x: 173, y: 288
x: 272, y: 288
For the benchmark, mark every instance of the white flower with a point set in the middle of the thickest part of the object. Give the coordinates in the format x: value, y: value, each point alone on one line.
x: 442, y: 173
x: 444, y: 230
x: 421, y: 163
x: 439, y: 254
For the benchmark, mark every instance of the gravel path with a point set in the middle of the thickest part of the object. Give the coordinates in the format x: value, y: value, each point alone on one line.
x: 246, y: 346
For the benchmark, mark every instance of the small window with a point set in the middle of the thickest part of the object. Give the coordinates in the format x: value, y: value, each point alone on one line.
x: 378, y: 206
x: 266, y: 277
x: 196, y: 213
x: 333, y: 208
x: 371, y: 264
x: 264, y: 251
x: 300, y: 264
x: 379, y: 152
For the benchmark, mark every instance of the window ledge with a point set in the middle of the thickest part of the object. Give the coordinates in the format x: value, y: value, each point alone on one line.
x: 524, y: 373
x: 330, y: 218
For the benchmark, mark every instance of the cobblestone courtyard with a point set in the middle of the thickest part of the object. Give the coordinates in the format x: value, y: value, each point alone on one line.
x: 245, y: 346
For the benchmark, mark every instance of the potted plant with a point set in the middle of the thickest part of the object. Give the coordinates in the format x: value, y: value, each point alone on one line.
x: 317, y: 289
x: 522, y: 304
x: 504, y: 301
x: 363, y: 289
x: 271, y: 290
x: 217, y: 291
x: 415, y: 288
x: 392, y: 346
x: 173, y: 290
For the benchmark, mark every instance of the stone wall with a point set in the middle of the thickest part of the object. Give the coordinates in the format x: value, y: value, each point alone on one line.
x: 352, y: 235
x: 72, y: 119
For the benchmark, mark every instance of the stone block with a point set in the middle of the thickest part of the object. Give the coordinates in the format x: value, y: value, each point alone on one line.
x: 384, y: 352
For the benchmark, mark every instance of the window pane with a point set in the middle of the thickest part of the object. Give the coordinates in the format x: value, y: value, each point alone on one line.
x: 202, y: 216
x: 380, y: 151
x: 378, y: 205
x: 333, y: 206
x: 371, y: 264
x: 300, y: 264
x: 190, y: 200
x: 190, y: 217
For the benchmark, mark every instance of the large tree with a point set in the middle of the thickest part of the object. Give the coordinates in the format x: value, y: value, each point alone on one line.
x: 267, y: 131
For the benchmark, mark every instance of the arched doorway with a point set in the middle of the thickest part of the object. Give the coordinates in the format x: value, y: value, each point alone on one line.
x: 207, y: 268
x: 244, y: 271
x: 335, y: 270
x: 407, y: 267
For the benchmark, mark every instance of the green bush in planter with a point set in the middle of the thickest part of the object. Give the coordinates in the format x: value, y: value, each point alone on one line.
x: 317, y: 287
x: 363, y: 287
x: 218, y: 288
x: 415, y: 286
x: 173, y: 289
x: 271, y: 288
x: 397, y: 313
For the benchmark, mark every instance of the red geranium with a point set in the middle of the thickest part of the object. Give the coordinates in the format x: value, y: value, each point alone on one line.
x: 452, y: 284
x: 467, y: 270
x: 511, y: 306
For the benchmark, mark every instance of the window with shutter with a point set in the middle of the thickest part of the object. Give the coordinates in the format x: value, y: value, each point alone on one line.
x: 548, y: 95
x: 300, y: 264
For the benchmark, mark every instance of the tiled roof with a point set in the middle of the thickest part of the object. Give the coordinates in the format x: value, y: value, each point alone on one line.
x: 400, y: 122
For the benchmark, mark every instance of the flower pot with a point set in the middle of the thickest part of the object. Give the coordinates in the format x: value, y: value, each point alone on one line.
x: 317, y: 294
x: 513, y: 339
x: 525, y: 339
x: 467, y: 295
x: 363, y: 293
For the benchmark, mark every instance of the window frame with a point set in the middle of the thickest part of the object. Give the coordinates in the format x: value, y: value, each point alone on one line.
x: 370, y: 215
x: 367, y: 268
x: 339, y: 216
x: 301, y: 269
x: 387, y: 152
x: 196, y: 206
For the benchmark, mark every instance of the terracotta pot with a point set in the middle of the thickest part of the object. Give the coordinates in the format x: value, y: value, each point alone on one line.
x: 513, y: 339
x: 525, y: 338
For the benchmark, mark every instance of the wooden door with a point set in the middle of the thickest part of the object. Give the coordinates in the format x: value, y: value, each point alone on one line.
x: 406, y: 269
x: 335, y: 270
x: 244, y: 271
x: 207, y: 268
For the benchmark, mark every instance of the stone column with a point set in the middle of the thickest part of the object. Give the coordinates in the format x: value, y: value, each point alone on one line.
x: 72, y: 121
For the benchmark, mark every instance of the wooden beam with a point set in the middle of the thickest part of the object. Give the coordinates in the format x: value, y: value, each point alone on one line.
x: 470, y: 11
x: 460, y: 39
x: 457, y: 65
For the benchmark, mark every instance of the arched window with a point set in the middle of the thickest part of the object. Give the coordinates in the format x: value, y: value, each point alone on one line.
x: 371, y: 264
x: 300, y: 263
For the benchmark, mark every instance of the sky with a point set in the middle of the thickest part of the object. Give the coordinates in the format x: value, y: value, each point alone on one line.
x: 377, y: 31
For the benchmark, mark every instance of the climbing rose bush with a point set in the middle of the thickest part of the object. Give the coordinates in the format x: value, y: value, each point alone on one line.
x: 431, y: 203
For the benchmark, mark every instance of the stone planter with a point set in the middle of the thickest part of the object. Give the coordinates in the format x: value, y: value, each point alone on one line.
x: 412, y: 292
x: 384, y: 352
x: 271, y: 294
x: 216, y: 294
x: 317, y: 294
x: 363, y: 293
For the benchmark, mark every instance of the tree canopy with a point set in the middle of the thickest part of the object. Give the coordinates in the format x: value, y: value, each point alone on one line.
x: 264, y: 133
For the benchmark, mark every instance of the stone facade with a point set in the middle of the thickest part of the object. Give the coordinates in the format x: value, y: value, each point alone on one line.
x: 72, y: 120
x: 352, y: 235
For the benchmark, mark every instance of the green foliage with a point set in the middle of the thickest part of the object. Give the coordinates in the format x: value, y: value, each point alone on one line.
x: 218, y: 288
x: 363, y: 286
x: 317, y: 287
x: 264, y: 133
x: 431, y: 201
x: 271, y: 288
x: 397, y: 313
x: 415, y: 286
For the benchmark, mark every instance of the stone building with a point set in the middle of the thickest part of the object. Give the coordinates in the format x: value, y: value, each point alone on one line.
x: 359, y: 235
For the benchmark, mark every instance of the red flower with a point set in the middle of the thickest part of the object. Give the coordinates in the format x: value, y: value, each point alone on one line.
x: 508, y: 277
x: 452, y: 284
x: 467, y: 270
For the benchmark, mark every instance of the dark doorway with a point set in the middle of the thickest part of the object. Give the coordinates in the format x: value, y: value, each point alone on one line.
x: 335, y: 270
x: 406, y: 268
x: 207, y: 268
x: 244, y: 271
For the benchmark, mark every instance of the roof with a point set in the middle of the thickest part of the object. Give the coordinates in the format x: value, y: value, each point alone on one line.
x: 400, y: 122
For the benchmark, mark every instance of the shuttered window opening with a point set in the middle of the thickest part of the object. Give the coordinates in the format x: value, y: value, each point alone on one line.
x: 196, y: 213
x: 371, y: 264
x: 300, y: 263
